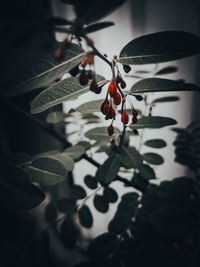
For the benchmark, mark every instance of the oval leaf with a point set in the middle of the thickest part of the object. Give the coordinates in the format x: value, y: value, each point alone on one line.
x: 100, y: 134
x: 166, y: 99
x: 85, y: 216
x: 160, y: 47
x: 130, y: 157
x: 60, y: 92
x: 90, y: 182
x: 161, y: 85
x: 98, y: 26
x: 100, y: 203
x: 110, y: 194
x: 155, y: 143
x: 90, y: 107
x: 78, y: 192
x: 153, y: 122
x: 153, y: 158
x: 74, y: 152
x: 44, y: 68
x: 167, y: 70
x: 147, y: 172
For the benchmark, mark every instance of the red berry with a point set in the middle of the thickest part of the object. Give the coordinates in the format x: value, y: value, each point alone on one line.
x: 118, y: 79
x: 124, y: 118
x: 112, y: 89
x: 111, y: 113
x: 123, y: 99
x: 105, y: 107
x: 93, y: 86
x: 59, y: 53
x: 115, y: 56
x: 117, y: 99
x: 135, y: 114
x: 83, y: 78
x: 110, y: 130
x: 123, y: 84
x: 134, y: 119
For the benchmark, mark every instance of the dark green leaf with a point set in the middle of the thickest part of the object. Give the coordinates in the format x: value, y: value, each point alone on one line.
x: 60, y: 92
x: 130, y: 157
x: 90, y: 182
x: 118, y: 224
x: 107, y: 172
x: 160, y: 47
x: 153, y: 122
x: 153, y: 158
x: 174, y: 222
x: 16, y: 190
x: 78, y: 192
x: 90, y: 107
x: 103, y: 246
x: 110, y: 194
x: 85, y: 216
x: 69, y: 233
x: 85, y: 145
x: 161, y: 85
x: 101, y: 203
x: 50, y: 212
x: 100, y: 134
x: 166, y: 99
x: 132, y: 196
x: 155, y: 143
x: 139, y: 182
x: 98, y: 26
x: 147, y: 172
x: 74, y: 152
x: 167, y: 70
x: 44, y: 68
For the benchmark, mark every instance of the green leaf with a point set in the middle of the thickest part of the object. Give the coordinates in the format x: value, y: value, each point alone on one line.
x: 69, y: 233
x: 107, y: 172
x: 98, y: 26
x: 50, y: 170
x: 50, y: 213
x: 130, y: 157
x: 90, y: 182
x: 110, y: 194
x: 100, y: 134
x: 102, y: 246
x: 16, y: 190
x: 167, y: 70
x: 44, y: 68
x: 78, y: 192
x: 74, y: 152
x: 161, y: 85
x: 166, y: 99
x: 174, y: 222
x: 147, y: 172
x: 101, y: 204
x: 85, y: 145
x: 160, y: 47
x: 155, y: 143
x: 60, y: 92
x: 153, y: 158
x: 90, y: 107
x: 85, y: 216
x: 153, y: 122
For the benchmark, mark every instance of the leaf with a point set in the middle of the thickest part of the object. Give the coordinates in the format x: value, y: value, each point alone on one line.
x: 60, y: 92
x: 90, y: 107
x: 69, y: 234
x: 107, y: 172
x: 85, y: 216
x: 166, y: 99
x: 44, y: 68
x: 78, y: 192
x: 161, y: 85
x: 101, y: 204
x: 90, y: 182
x: 153, y: 158
x: 174, y: 222
x: 100, y: 134
x: 85, y: 145
x: 160, y: 47
x: 153, y: 122
x: 167, y: 70
x: 118, y: 224
x: 110, y: 194
x: 130, y: 157
x: 50, y: 170
x: 16, y: 190
x: 50, y: 213
x: 147, y: 172
x: 98, y: 26
x: 102, y: 246
x: 155, y: 143
x: 74, y: 152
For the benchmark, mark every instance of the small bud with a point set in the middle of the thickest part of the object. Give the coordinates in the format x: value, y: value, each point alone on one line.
x: 110, y: 130
x: 105, y: 55
x: 115, y: 57
x: 98, y: 91
x: 138, y: 97
x: 123, y: 84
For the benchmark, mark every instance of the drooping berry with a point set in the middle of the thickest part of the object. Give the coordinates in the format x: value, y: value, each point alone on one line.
x: 83, y: 78
x: 134, y: 112
x: 117, y: 99
x: 126, y: 144
x: 59, y: 53
x: 123, y: 84
x: 98, y: 91
x: 110, y: 129
x: 134, y: 119
x: 127, y: 68
x: 118, y: 79
x: 124, y: 118
x: 110, y: 114
x: 105, y: 107
x: 138, y: 97
x: 112, y: 89
x: 93, y: 86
